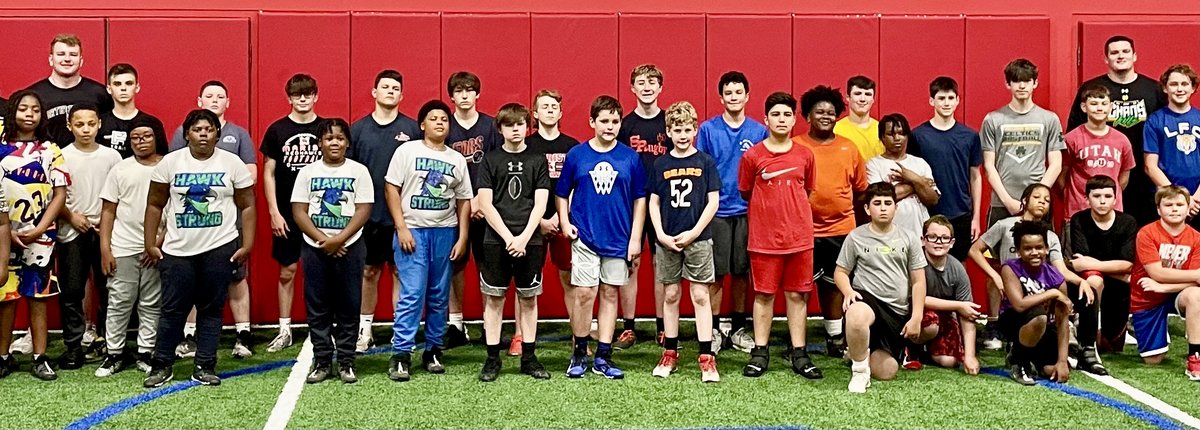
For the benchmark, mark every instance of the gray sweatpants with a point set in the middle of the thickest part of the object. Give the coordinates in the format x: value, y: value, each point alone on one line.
x: 132, y: 285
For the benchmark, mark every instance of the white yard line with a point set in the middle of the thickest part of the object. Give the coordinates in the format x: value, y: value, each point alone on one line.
x: 286, y: 404
x: 1151, y: 401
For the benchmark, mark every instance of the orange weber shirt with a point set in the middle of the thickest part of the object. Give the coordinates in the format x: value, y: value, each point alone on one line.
x: 841, y: 172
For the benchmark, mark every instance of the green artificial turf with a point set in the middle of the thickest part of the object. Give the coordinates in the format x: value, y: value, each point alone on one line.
x: 928, y: 399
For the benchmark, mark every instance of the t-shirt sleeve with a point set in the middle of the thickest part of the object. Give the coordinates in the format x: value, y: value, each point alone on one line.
x: 994, y: 235
x: 463, y: 191
x: 1056, y: 253
x: 875, y: 171
x: 1147, y: 248
x: 960, y: 281
x: 1054, y: 133
x: 702, y: 139
x: 245, y: 148
x: 1128, y: 237
x: 848, y: 256
x: 914, y: 142
x: 1078, y: 239
x: 485, y: 174
x: 712, y: 175
x: 916, y: 254
x: 161, y: 173
x: 270, y: 147
x: 860, y: 173
x: 989, y: 134
x: 241, y: 176
x: 810, y: 172
x: 746, y: 172
x: 541, y: 174
x: 177, y: 141
x: 976, y: 150
x: 108, y: 192
x: 566, y: 177
x: 59, y: 174
x: 364, y: 188
x: 299, y: 194
x: 1151, y: 138
x: 639, y: 179
x: 395, y: 173
x: 1128, y: 162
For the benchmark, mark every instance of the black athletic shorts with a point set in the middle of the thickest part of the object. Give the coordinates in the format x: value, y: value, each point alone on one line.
x: 378, y: 239
x: 499, y: 269
x: 885, y: 331
x: 730, y: 236
x: 825, y: 254
x: 474, y: 246
x: 1045, y: 353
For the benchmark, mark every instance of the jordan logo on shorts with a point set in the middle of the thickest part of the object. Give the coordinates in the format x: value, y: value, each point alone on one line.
x: 603, y: 177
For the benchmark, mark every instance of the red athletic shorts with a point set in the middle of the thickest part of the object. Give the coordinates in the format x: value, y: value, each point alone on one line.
x: 949, y: 338
x: 559, y: 248
x: 793, y: 272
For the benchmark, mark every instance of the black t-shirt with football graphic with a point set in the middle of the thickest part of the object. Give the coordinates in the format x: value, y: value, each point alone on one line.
x: 474, y: 142
x: 555, y: 151
x: 57, y: 102
x: 513, y: 178
x: 682, y: 186
x: 114, y: 133
x: 292, y: 145
x: 647, y: 136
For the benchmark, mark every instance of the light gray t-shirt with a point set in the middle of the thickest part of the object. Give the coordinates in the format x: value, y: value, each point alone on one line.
x: 234, y: 139
x: 880, y: 263
x: 998, y: 238
x: 1021, y: 143
x: 949, y: 283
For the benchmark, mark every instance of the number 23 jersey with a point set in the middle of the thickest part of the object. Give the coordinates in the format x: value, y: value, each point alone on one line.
x: 31, y: 171
x: 682, y: 186
x: 779, y: 214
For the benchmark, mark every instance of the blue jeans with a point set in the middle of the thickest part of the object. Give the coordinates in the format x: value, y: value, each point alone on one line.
x: 424, y: 287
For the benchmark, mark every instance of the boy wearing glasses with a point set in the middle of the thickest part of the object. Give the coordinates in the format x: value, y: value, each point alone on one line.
x: 289, y: 144
x: 948, y: 325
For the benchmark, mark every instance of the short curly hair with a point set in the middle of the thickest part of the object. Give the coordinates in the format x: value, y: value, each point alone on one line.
x: 822, y: 93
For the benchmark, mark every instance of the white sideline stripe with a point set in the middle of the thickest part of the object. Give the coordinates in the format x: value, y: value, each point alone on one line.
x: 286, y: 404
x: 1151, y: 401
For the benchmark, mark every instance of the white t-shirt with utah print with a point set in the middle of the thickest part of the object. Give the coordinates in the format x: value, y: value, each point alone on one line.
x: 331, y: 193
x: 200, y: 213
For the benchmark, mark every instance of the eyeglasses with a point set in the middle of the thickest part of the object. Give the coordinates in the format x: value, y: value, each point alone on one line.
x: 938, y: 239
x: 141, y: 138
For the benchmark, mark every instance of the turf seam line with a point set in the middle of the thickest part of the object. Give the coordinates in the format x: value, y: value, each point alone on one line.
x: 1131, y: 410
x: 281, y: 414
x: 1147, y: 399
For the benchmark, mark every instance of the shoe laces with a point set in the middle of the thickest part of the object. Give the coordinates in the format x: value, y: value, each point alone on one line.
x: 626, y: 336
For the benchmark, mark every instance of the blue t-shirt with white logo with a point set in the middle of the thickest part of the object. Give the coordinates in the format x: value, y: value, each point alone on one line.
x: 726, y: 145
x: 1174, y: 136
x: 682, y: 186
x: 605, y: 185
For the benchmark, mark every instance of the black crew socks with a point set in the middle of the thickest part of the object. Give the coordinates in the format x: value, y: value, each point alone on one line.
x: 672, y: 344
x: 1193, y: 348
x: 658, y: 325
x: 706, y: 347
x: 581, y: 345
x: 529, y: 350
x: 628, y: 324
x: 493, y: 351
x: 740, y: 320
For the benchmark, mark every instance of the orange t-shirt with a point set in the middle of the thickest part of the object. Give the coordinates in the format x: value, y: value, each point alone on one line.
x: 840, y: 173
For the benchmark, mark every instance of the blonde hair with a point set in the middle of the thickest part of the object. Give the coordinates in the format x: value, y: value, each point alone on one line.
x: 681, y: 113
x: 1170, y: 191
x: 66, y: 39
x: 650, y: 70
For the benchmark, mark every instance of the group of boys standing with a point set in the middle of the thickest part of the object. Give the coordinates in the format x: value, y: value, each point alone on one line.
x: 727, y: 198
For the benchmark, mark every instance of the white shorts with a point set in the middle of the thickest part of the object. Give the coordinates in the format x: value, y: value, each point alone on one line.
x: 590, y: 270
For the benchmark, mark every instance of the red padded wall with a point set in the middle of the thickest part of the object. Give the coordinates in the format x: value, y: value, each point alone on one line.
x: 674, y: 43
x: 27, y: 61
x: 321, y: 51
x: 830, y: 49
x: 217, y: 49
x: 913, y: 51
x: 556, y: 63
x: 756, y: 45
x: 374, y: 38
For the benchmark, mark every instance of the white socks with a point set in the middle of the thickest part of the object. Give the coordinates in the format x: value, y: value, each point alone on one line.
x: 364, y: 322
x: 285, y: 324
x: 833, y: 327
x: 861, y: 366
x: 241, y: 327
x: 456, y: 320
x: 189, y: 329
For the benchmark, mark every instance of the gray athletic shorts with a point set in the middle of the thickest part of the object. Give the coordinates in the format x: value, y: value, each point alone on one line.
x: 695, y: 264
x: 729, y: 238
x: 590, y: 270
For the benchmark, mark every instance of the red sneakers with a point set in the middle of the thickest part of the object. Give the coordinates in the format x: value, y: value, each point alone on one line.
x: 1193, y: 367
x: 667, y: 364
x: 708, y: 368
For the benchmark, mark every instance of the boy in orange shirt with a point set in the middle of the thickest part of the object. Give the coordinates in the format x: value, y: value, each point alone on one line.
x: 841, y: 172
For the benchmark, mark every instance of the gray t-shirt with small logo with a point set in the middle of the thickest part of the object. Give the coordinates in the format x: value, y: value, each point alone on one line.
x: 881, y: 262
x: 1021, y: 143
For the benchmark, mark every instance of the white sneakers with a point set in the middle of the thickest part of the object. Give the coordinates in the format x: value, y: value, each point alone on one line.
x: 281, y: 341
x: 860, y: 381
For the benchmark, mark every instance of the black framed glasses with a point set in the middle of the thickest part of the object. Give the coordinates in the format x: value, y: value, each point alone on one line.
x: 931, y: 238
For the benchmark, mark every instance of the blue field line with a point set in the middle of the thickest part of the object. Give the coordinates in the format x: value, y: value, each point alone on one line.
x: 1135, y: 411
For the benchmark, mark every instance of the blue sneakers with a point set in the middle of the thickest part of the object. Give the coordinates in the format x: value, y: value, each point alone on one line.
x: 602, y: 366
x: 578, y: 367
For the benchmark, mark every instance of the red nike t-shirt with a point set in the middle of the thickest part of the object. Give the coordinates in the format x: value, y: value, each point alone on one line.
x: 1154, y: 244
x: 779, y: 215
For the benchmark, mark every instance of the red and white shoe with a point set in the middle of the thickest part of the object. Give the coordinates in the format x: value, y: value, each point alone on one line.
x: 514, y: 347
x: 667, y: 364
x: 1193, y: 367
x: 909, y: 361
x: 708, y: 368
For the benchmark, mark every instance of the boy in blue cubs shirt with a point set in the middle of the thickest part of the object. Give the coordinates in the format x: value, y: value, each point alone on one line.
x: 514, y: 185
x: 331, y: 202
x: 601, y: 206
x: 726, y: 137
x: 683, y: 200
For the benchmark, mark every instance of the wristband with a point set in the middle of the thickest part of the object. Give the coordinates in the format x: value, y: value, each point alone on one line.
x: 1090, y: 273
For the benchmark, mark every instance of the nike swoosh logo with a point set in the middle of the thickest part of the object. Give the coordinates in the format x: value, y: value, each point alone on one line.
x: 772, y: 175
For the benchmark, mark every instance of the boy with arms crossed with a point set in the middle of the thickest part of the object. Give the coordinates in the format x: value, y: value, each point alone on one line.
x: 725, y: 138
x: 87, y: 165
x: 133, y: 279
x: 373, y: 140
x: 909, y: 174
x: 1164, y: 278
x: 955, y: 149
x: 886, y: 302
x: 685, y: 186
x: 429, y: 197
x: 514, y: 186
x: 472, y: 134
x: 644, y: 130
x: 602, y: 207
x: 331, y: 202
x: 289, y: 144
x: 1102, y: 251
x: 842, y: 173
x: 776, y: 178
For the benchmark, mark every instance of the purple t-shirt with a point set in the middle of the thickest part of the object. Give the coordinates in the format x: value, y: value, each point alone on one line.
x: 1046, y: 278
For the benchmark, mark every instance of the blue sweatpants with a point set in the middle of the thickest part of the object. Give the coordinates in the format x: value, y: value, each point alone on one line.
x: 424, y: 287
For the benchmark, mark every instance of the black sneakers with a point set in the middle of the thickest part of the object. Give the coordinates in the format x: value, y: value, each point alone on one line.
x: 1089, y: 361
x: 112, y: 364
x: 491, y: 369
x: 347, y: 373
x: 835, y: 346
x: 456, y: 337
x: 7, y: 365
x: 803, y: 366
x: 759, y: 361
x: 206, y: 376
x: 319, y: 373
x: 534, y: 368
x: 158, y: 376
x: 73, y: 359
x: 42, y: 369
x: 431, y: 360
x: 1021, y: 374
x: 399, y: 366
